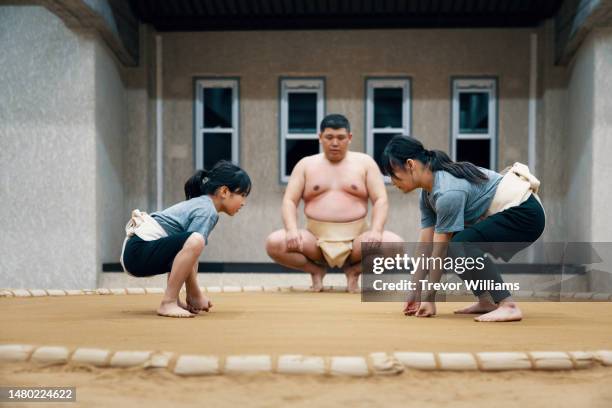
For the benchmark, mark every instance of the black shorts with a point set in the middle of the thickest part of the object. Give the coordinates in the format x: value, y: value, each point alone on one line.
x: 503, y: 234
x: 147, y: 258
x: 521, y: 225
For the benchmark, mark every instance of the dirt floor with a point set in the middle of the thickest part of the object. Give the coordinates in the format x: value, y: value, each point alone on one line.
x: 304, y: 323
x: 296, y: 323
x: 126, y: 388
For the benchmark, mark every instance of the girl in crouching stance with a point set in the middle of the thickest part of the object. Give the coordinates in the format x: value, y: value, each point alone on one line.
x: 173, y: 239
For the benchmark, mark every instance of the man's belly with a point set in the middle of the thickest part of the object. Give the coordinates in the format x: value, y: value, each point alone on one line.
x: 336, y: 206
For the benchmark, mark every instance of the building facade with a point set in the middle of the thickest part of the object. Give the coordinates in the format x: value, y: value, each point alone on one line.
x: 89, y: 133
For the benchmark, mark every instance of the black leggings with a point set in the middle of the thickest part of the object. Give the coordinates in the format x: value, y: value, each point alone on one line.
x: 147, y: 258
x: 520, y: 226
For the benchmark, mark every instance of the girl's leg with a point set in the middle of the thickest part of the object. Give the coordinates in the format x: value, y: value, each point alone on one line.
x: 484, y: 304
x: 458, y: 249
x: 196, y: 301
x: 507, y: 311
x: 179, y: 301
x: 466, y: 243
x: 519, y: 226
x: 182, y: 267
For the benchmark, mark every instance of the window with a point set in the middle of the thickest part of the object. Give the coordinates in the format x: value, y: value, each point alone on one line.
x: 302, y: 110
x: 474, y: 121
x: 216, y: 117
x: 387, y: 112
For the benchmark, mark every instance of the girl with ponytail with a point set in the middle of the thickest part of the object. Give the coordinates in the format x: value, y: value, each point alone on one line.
x: 172, y: 240
x: 461, y: 203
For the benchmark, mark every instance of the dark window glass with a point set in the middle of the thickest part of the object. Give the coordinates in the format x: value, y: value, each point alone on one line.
x: 217, y: 146
x: 475, y: 151
x: 297, y: 149
x: 217, y: 107
x: 388, y: 107
x: 473, y: 112
x: 380, y: 141
x: 303, y: 112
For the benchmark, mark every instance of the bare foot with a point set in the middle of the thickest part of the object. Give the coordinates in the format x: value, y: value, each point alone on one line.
x: 196, y: 304
x: 182, y: 304
x: 317, y: 274
x: 172, y: 309
x: 317, y: 282
x: 482, y: 306
x: 352, y: 273
x: 506, y: 312
x: 352, y: 283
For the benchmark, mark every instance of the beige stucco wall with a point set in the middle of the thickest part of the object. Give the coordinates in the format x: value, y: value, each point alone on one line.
x: 345, y: 59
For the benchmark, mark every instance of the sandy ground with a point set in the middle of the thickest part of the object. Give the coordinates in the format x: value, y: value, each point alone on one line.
x: 125, y: 388
x: 297, y: 323
x: 304, y: 323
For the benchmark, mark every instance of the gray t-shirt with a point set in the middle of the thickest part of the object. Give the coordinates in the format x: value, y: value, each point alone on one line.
x: 455, y: 202
x: 195, y: 215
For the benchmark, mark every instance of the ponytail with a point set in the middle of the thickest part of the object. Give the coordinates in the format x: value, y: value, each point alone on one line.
x: 194, y: 186
x: 401, y: 148
x: 223, y: 173
x: 465, y: 170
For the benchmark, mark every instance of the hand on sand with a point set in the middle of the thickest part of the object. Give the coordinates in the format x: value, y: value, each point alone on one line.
x: 412, y: 303
x: 426, y: 309
x: 196, y: 304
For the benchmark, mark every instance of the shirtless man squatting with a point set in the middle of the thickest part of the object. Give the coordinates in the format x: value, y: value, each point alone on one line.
x: 335, y: 186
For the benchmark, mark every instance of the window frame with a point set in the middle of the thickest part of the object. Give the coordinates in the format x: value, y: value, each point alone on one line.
x: 200, y: 83
x: 485, y: 84
x: 289, y: 85
x: 372, y: 83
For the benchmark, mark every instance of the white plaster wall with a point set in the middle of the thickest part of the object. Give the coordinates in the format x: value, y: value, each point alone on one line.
x: 47, y: 154
x: 61, y: 124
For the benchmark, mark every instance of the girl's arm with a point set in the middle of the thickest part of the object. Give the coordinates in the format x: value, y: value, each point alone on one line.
x: 423, y: 249
x: 440, y: 246
x: 427, y: 308
x: 449, y: 219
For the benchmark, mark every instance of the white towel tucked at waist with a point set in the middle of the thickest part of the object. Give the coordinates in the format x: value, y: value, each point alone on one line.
x: 143, y: 225
x: 517, y: 185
